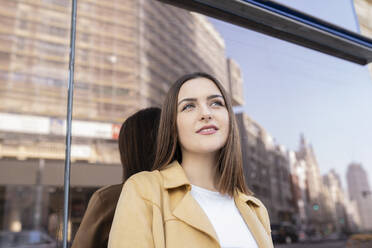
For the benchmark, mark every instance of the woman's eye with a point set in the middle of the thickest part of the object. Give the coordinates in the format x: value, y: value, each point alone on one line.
x: 217, y: 103
x: 187, y: 106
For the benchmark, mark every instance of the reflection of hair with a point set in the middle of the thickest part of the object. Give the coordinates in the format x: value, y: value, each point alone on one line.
x: 229, y: 171
x: 137, y: 141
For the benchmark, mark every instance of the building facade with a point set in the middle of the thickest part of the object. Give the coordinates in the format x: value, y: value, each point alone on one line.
x: 266, y: 169
x: 299, y: 184
x: 360, y: 192
x: 363, y: 9
x: 353, y: 217
x: 235, y: 79
x: 128, y: 53
x: 316, y: 198
x: 336, y: 201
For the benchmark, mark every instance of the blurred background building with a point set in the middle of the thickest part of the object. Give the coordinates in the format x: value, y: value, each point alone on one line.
x: 360, y: 192
x: 363, y: 9
x: 266, y: 169
x: 336, y: 201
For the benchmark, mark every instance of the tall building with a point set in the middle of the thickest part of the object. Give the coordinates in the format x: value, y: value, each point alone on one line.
x: 128, y: 53
x: 336, y: 197
x: 266, y: 169
x: 255, y: 162
x: 281, y: 188
x: 173, y: 42
x: 363, y: 9
x: 316, y: 199
x: 360, y: 191
x: 236, y: 82
x: 298, y: 172
x: 353, y: 217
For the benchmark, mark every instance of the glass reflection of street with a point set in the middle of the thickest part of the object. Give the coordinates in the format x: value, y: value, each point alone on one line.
x: 128, y: 53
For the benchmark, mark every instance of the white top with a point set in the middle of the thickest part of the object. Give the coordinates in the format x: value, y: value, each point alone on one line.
x: 225, y: 217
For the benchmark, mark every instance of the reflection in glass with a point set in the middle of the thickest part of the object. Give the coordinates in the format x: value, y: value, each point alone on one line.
x: 128, y: 53
x: 34, y: 37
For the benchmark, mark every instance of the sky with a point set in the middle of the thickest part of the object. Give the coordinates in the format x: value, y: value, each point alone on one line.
x: 291, y: 90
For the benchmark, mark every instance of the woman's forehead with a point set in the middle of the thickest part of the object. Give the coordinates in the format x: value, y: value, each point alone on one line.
x: 198, y: 88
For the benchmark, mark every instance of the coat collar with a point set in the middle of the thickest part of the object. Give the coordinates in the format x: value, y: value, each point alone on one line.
x: 174, y: 177
x: 189, y: 211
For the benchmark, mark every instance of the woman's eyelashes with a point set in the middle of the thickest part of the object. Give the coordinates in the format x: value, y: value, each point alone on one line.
x: 215, y: 103
x: 188, y: 106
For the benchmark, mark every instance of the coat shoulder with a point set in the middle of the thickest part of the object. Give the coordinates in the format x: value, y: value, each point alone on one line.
x: 149, y: 185
x: 257, y: 201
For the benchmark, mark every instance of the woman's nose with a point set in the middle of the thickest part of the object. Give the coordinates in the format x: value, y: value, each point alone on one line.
x: 205, y: 113
x: 206, y: 117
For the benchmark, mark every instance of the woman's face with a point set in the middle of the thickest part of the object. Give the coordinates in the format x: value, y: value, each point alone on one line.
x: 202, y: 117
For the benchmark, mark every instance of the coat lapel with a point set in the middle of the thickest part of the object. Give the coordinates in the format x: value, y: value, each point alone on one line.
x: 186, y: 209
x: 255, y: 226
x: 189, y: 211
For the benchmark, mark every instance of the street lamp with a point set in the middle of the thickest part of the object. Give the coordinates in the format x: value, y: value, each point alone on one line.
x: 315, y: 207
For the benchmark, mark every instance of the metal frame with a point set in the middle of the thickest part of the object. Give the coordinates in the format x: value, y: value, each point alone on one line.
x: 285, y: 23
x: 69, y: 123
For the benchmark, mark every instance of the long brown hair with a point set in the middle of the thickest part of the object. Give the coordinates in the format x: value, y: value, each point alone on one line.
x: 137, y: 141
x: 229, y: 175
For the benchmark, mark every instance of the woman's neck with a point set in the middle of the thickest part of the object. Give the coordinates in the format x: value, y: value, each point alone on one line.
x: 200, y: 169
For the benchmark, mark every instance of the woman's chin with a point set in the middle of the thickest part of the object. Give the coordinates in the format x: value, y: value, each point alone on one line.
x: 208, y: 149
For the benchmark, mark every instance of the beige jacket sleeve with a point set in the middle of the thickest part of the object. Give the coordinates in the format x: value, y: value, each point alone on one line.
x: 132, y: 224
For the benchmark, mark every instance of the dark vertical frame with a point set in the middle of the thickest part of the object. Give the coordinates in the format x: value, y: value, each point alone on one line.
x: 69, y: 123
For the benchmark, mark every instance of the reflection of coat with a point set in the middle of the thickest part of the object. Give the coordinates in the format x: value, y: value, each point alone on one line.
x: 95, y: 227
x: 156, y: 209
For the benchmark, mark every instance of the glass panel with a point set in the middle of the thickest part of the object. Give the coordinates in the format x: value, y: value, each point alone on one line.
x: 279, y: 91
x: 304, y: 123
x: 128, y: 53
x: 34, y: 47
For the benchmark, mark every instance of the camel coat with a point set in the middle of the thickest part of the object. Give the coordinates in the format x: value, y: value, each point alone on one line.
x: 156, y: 209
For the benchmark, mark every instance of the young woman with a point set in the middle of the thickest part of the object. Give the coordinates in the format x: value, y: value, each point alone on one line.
x: 196, y: 194
x: 137, y: 140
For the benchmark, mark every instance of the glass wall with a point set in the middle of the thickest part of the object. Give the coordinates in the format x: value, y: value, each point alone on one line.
x: 303, y: 116
x: 34, y: 47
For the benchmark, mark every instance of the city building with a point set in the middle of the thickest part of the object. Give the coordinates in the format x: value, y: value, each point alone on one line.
x: 266, y: 169
x: 360, y: 192
x: 363, y: 9
x: 236, y: 82
x: 336, y: 201
x: 281, y: 188
x: 299, y: 190
x: 316, y: 199
x: 353, y: 218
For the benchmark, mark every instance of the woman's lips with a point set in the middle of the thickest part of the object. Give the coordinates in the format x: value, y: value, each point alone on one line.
x: 207, y: 130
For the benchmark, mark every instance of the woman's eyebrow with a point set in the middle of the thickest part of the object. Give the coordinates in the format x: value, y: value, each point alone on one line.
x: 214, y: 96
x: 194, y: 99
x: 187, y: 100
